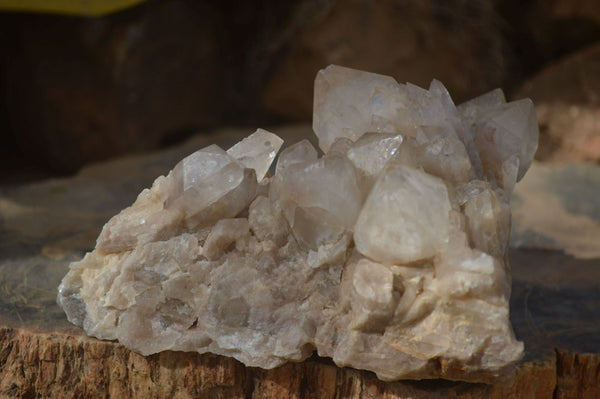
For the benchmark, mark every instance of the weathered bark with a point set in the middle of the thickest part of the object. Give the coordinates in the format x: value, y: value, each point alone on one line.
x: 577, y: 375
x: 61, y: 365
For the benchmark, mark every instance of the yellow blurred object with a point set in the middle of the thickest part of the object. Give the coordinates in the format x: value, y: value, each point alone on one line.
x: 92, y: 8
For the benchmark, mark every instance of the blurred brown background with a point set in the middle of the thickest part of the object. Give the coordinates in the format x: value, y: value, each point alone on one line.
x: 75, y: 90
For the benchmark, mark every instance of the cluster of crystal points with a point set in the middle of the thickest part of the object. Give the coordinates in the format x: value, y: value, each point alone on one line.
x: 385, y: 254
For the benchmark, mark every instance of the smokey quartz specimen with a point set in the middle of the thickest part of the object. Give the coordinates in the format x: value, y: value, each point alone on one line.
x: 386, y: 253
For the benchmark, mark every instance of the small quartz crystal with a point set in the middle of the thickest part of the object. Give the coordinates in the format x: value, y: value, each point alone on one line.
x: 386, y: 253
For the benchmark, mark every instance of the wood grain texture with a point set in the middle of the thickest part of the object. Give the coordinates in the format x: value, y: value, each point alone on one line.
x: 58, y: 365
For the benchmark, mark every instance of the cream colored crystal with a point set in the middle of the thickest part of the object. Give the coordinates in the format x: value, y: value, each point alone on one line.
x: 385, y: 254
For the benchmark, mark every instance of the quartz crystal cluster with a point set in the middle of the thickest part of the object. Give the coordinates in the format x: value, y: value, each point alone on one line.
x: 386, y: 253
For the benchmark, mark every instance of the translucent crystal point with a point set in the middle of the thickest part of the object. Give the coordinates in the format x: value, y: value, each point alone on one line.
x: 320, y: 199
x: 473, y: 108
x: 371, y: 152
x: 506, y: 130
x: 405, y: 218
x: 349, y: 103
x: 302, y: 151
x: 257, y: 151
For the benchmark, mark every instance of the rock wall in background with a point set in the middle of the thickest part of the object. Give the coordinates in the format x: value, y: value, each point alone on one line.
x: 75, y: 90
x: 80, y: 90
x: 567, y: 98
x: 459, y: 44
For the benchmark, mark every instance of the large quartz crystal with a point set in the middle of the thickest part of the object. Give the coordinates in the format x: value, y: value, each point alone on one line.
x: 386, y: 253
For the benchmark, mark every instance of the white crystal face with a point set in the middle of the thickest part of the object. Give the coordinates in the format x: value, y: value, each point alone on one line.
x: 405, y: 217
x: 383, y: 145
x: 202, y: 164
x: 503, y: 130
x: 472, y: 108
x: 385, y: 254
x: 349, y: 103
x: 300, y: 152
x: 205, y: 191
x: 320, y: 199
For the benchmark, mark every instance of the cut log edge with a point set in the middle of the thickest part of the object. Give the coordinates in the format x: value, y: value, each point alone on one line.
x: 54, y: 364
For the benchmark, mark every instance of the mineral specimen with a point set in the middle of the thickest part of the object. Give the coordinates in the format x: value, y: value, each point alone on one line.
x: 386, y: 253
